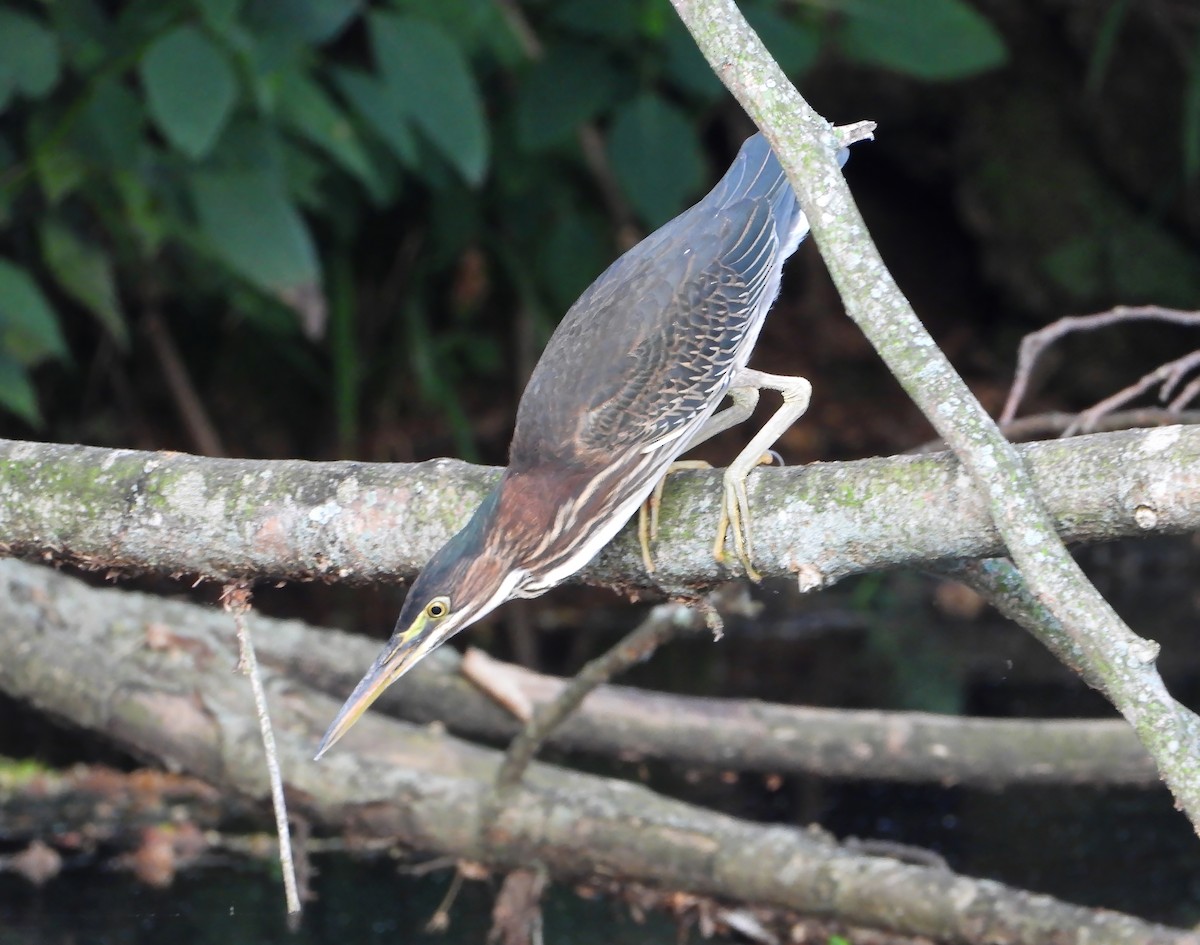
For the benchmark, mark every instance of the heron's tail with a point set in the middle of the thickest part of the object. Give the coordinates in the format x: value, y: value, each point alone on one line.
x: 756, y: 173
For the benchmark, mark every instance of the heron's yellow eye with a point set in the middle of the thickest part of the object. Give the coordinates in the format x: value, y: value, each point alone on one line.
x: 437, y: 608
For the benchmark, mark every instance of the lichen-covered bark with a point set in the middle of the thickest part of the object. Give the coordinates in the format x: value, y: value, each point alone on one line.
x: 734, y: 734
x: 173, y: 513
x: 155, y: 677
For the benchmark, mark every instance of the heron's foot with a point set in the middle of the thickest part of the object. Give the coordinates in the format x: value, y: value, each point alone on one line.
x: 735, y: 518
x: 648, y: 511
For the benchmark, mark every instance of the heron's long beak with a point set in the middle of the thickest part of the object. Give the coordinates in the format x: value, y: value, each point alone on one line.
x: 402, y: 653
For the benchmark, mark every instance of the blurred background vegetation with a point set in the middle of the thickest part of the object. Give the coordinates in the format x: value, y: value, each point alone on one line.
x: 344, y: 229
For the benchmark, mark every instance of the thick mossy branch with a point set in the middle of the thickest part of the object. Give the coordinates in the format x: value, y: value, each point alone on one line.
x: 224, y: 519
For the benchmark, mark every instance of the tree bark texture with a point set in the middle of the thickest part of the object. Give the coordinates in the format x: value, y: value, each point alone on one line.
x: 736, y: 734
x: 155, y: 677
x: 172, y: 513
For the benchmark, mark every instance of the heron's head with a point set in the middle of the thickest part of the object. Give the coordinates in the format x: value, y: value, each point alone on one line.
x: 465, y: 580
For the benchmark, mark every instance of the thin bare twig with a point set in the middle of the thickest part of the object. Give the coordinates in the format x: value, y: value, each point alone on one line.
x: 664, y: 622
x: 1165, y: 376
x: 1186, y: 396
x: 236, y: 599
x: 1034, y: 344
x: 440, y: 920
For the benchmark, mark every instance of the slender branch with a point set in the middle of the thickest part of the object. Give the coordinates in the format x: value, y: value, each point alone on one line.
x: 192, y: 412
x: 236, y: 600
x: 1165, y: 377
x: 1122, y: 663
x: 736, y: 734
x: 663, y: 624
x: 1039, y: 426
x: 1035, y: 343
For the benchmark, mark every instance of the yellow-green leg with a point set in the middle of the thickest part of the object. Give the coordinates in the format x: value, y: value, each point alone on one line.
x: 745, y: 399
x: 735, y: 507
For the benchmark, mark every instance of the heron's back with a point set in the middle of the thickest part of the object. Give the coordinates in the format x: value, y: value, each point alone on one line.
x: 645, y: 354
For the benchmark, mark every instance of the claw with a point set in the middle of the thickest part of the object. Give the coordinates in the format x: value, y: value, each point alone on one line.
x: 645, y: 531
x: 648, y: 510
x: 735, y: 516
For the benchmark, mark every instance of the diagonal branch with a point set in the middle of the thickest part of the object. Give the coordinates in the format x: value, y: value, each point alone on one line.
x: 1119, y: 662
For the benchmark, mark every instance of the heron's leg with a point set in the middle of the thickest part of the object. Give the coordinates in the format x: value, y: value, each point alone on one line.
x: 745, y: 399
x: 648, y: 511
x: 735, y: 507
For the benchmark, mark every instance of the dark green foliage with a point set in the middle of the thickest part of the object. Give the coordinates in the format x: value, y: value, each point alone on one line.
x: 929, y: 39
x: 218, y: 158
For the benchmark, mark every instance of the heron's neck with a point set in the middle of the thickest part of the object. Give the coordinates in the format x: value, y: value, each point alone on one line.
x: 530, y: 507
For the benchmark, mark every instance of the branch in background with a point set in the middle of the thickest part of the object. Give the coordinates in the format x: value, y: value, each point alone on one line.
x: 767, y: 738
x: 1121, y: 663
x: 89, y: 663
x: 224, y: 519
x: 1040, y: 426
x: 662, y: 624
x: 1166, y: 377
x: 1035, y: 343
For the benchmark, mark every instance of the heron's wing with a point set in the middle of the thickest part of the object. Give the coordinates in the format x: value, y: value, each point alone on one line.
x: 643, y: 354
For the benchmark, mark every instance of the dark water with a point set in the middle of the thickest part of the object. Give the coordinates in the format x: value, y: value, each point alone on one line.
x: 360, y: 903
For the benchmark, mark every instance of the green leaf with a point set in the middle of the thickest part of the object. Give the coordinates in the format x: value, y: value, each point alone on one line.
x: 476, y: 27
x: 16, y: 391
x: 1105, y: 44
x: 617, y: 21
x: 85, y: 32
x: 306, y: 107
x: 253, y: 227
x: 573, y: 84
x: 28, y: 326
x: 29, y: 56
x: 686, y: 66
x: 1190, y: 123
x: 111, y: 124
x: 655, y: 156
x: 383, y: 108
x: 143, y: 212
x: 310, y: 21
x: 86, y: 274
x: 794, y: 45
x: 220, y: 15
x: 190, y: 87
x: 421, y: 63
x: 926, y: 39
x: 59, y: 171
x: 250, y: 143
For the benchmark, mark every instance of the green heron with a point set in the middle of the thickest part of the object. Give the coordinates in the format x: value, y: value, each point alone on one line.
x: 630, y: 379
